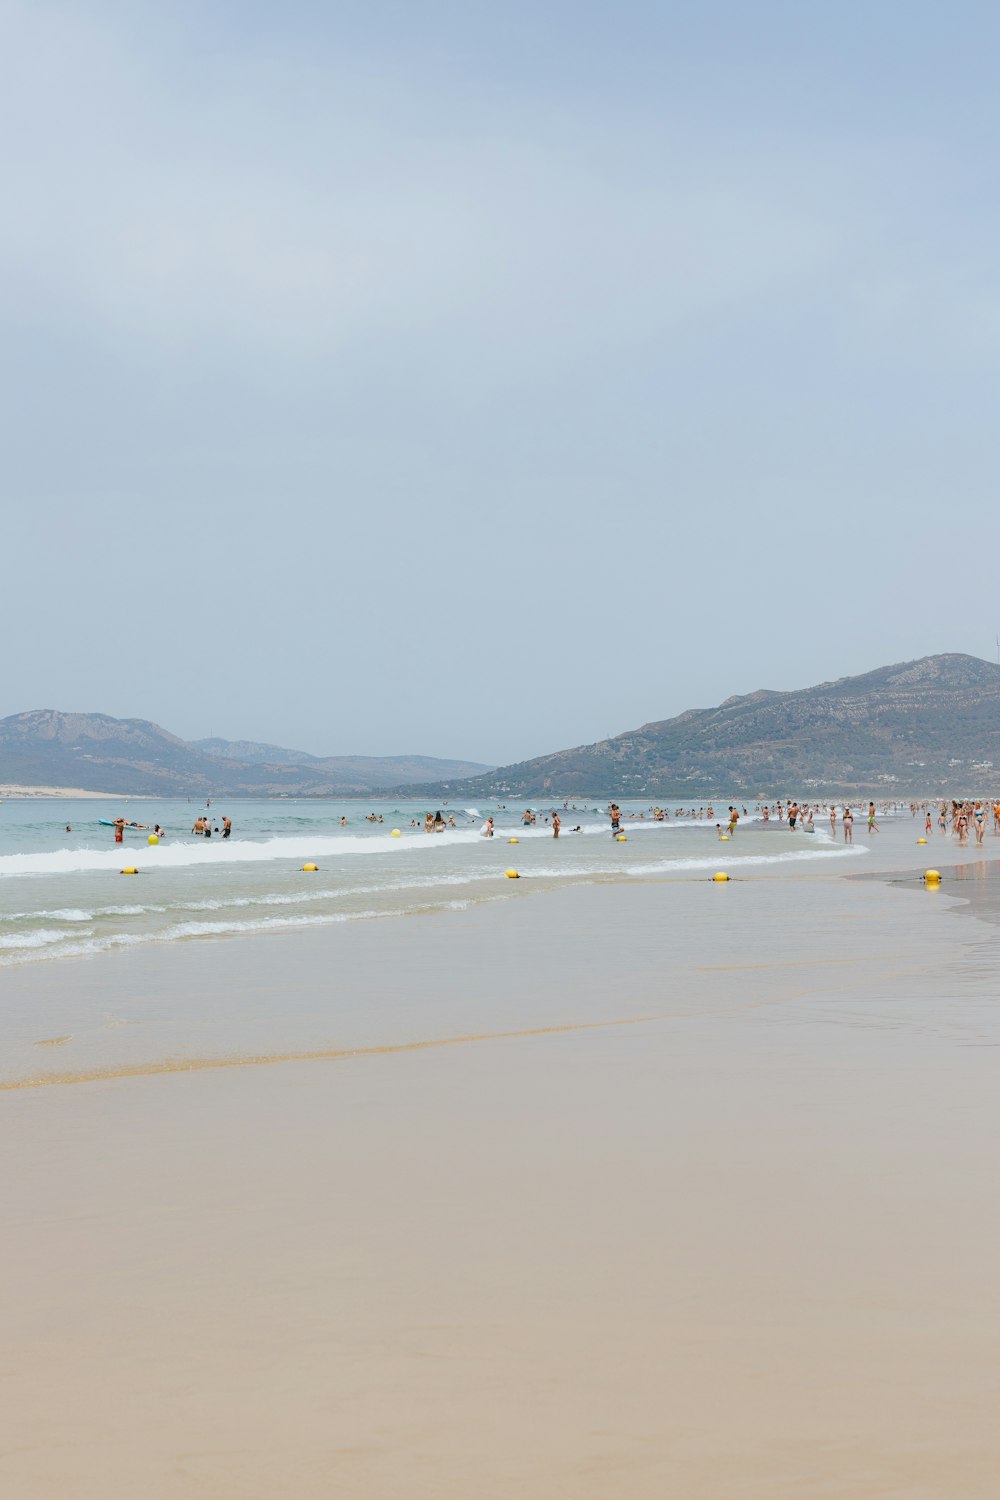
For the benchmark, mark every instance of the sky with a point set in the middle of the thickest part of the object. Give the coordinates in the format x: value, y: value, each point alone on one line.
x: 481, y: 380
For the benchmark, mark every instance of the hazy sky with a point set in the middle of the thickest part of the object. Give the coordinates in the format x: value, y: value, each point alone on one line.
x: 483, y: 379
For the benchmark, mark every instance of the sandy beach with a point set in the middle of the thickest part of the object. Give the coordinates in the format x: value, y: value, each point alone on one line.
x: 651, y: 1189
x: 16, y: 791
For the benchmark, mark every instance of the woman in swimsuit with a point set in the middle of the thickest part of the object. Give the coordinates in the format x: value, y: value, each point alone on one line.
x: 979, y: 813
x: 848, y: 821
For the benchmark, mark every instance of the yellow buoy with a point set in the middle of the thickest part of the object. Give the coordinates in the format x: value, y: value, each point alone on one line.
x: 513, y: 841
x: 130, y: 870
x: 921, y: 841
x: 310, y: 867
x: 154, y: 838
x: 720, y: 875
x: 621, y: 838
x: 723, y: 838
x: 512, y: 874
x: 395, y: 834
x: 932, y: 877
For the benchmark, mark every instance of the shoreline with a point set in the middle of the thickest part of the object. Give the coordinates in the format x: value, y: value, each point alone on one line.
x: 139, y: 1011
x: 632, y: 1188
x: 16, y: 793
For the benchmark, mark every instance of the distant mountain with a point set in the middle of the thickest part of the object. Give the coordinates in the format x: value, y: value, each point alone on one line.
x: 133, y: 756
x: 931, y: 726
x: 252, y: 752
x: 363, y: 772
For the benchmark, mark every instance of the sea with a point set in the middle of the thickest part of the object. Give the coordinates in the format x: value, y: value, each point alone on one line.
x: 63, y: 893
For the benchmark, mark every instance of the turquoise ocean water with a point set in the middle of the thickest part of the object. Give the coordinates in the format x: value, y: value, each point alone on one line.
x: 62, y: 893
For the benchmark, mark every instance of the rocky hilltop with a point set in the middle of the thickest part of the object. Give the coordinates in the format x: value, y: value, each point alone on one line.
x: 927, y: 726
x: 134, y: 756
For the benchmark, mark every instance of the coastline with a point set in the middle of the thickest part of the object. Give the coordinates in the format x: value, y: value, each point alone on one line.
x: 15, y: 793
x: 625, y: 1187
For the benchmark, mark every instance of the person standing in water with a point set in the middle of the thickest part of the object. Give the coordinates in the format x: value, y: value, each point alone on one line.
x: 848, y: 821
x: 555, y: 825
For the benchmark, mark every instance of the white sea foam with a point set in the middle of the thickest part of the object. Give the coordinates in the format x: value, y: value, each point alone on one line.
x: 42, y: 937
x: 71, y: 947
x: 701, y: 862
x: 300, y: 898
x: 127, y: 911
x: 67, y: 914
x: 232, y: 852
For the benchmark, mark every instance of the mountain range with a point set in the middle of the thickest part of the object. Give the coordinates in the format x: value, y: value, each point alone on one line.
x: 928, y: 726
x: 133, y: 757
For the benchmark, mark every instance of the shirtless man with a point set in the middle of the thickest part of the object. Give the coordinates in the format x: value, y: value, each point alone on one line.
x: 227, y: 827
x: 119, y: 830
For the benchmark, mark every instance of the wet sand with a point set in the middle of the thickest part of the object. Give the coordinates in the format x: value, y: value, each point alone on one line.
x: 648, y: 1189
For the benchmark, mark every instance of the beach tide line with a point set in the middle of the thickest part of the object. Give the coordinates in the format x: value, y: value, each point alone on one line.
x: 339, y: 1054
x: 801, y: 963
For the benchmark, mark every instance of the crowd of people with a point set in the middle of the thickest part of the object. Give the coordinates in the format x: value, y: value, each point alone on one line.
x: 955, y: 816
